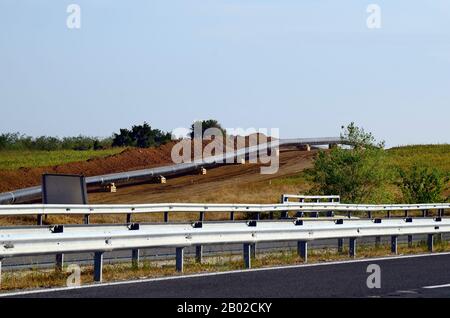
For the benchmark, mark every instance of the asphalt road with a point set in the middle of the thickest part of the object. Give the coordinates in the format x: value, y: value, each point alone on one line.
x: 400, y: 277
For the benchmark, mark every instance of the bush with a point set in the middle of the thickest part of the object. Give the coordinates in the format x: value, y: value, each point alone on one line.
x: 421, y: 184
x: 142, y: 136
x: 356, y: 174
x: 206, y: 124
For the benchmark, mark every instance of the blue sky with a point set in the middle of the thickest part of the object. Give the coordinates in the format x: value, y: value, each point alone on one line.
x: 306, y: 67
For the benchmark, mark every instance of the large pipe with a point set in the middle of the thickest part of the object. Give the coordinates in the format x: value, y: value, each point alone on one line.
x: 34, y: 193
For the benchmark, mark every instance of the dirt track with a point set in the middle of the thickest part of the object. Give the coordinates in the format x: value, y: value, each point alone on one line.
x: 236, y: 182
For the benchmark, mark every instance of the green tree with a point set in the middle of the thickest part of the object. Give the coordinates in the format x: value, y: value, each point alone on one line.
x: 421, y: 184
x: 206, y: 124
x: 356, y: 174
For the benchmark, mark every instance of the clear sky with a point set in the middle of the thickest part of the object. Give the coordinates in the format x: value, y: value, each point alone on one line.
x: 306, y: 67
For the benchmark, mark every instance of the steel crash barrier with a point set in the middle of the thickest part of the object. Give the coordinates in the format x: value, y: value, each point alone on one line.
x: 256, y: 209
x: 59, y: 239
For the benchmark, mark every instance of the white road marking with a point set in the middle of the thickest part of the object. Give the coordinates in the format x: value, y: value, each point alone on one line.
x: 140, y: 281
x: 437, y: 286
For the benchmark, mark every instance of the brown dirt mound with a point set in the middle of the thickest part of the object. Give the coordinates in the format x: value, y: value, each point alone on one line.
x: 128, y: 160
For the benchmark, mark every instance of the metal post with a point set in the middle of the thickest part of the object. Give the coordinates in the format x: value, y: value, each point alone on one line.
x: 247, y: 256
x: 330, y: 213
x: 202, y: 216
x: 369, y: 214
x: 424, y: 213
x: 39, y: 219
x: 406, y: 213
x: 258, y: 216
x: 166, y: 217
x: 129, y: 218
x: 198, y: 253
x: 86, y: 219
x: 98, y: 267
x: 340, y: 245
x: 430, y: 242
x: 377, y: 241
x: 394, y: 244
x: 389, y: 214
x: 352, y: 247
x: 231, y: 216
x: 284, y: 215
x: 135, y: 258
x: 349, y: 214
x: 59, y: 262
x: 179, y: 259
x: 302, y: 250
x: 270, y: 215
x: 253, y: 250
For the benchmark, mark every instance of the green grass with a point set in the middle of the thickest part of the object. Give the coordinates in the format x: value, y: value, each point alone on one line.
x: 429, y: 155
x: 15, y: 159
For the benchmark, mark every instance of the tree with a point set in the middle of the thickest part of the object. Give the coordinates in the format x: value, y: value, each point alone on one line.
x: 205, y: 124
x: 356, y: 174
x: 142, y: 136
x: 421, y: 184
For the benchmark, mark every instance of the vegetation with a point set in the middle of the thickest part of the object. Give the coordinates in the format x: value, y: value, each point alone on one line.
x: 205, y: 124
x: 15, y: 159
x: 142, y: 136
x: 421, y: 184
x: 356, y: 174
x: 17, y: 141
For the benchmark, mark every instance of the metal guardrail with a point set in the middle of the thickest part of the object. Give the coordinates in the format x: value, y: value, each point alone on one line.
x: 27, y: 241
x: 33, y: 193
x: 313, y: 198
x: 256, y: 209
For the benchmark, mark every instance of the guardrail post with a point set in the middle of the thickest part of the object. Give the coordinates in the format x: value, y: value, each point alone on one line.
x: 247, y: 256
x: 98, y: 267
x: 424, y: 213
x: 406, y: 213
x: 352, y: 247
x: 202, y: 217
x: 86, y: 219
x: 302, y: 250
x: 231, y: 216
x: 166, y: 217
x: 270, y: 215
x: 340, y: 245
x: 441, y: 212
x: 369, y: 214
x: 253, y: 250
x: 430, y: 242
x: 410, y: 241
x: 179, y: 263
x: 1, y: 259
x: 394, y: 244
x: 257, y: 216
x: 128, y: 218
x: 59, y: 262
x: 284, y: 215
x: 349, y: 214
x: 330, y: 213
x: 135, y: 258
x: 198, y: 253
x: 39, y: 219
x: 377, y: 241
x: 389, y: 214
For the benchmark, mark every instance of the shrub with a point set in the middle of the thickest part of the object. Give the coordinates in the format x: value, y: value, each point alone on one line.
x: 420, y: 184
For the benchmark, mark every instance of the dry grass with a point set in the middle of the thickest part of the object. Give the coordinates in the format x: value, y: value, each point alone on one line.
x: 32, y: 279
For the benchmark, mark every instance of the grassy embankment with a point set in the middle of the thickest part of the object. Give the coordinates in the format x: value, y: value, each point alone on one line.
x: 16, y: 159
